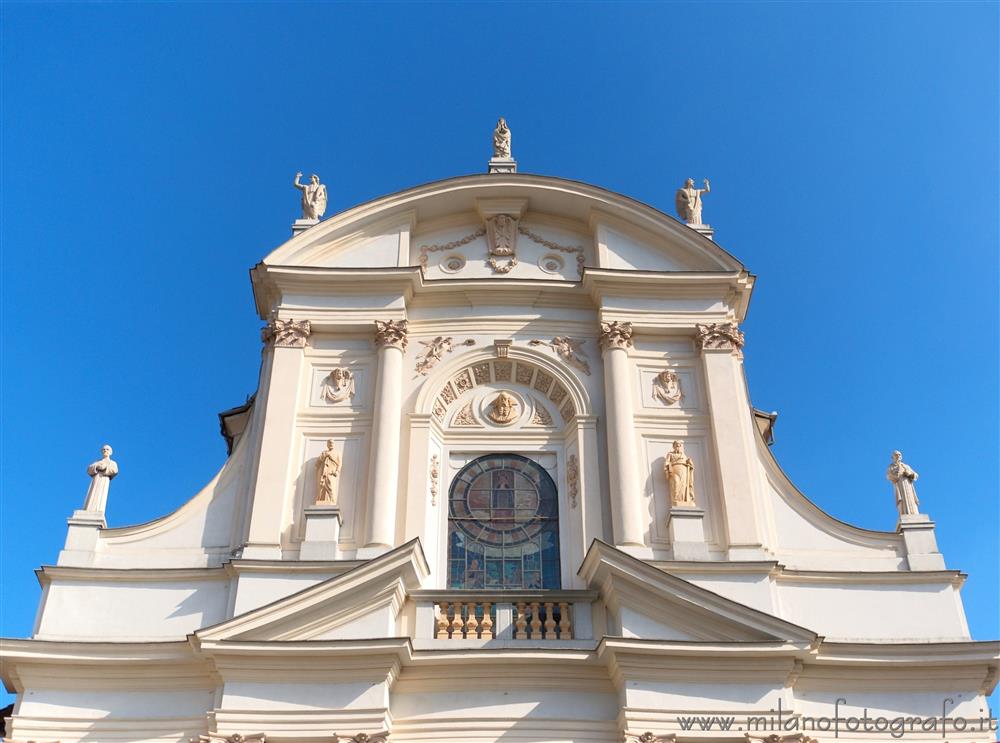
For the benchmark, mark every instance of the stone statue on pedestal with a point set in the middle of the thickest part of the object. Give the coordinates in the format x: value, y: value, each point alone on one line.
x: 902, y: 477
x: 313, y: 196
x: 501, y: 140
x: 101, y: 472
x: 679, y: 469
x: 327, y: 475
x: 688, y: 201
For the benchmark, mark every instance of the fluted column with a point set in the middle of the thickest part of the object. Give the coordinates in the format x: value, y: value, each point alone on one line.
x: 626, y: 501
x: 390, y: 339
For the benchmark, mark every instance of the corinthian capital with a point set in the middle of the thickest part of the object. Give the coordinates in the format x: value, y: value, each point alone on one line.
x: 616, y: 334
x: 723, y: 336
x: 286, y: 333
x: 391, y: 333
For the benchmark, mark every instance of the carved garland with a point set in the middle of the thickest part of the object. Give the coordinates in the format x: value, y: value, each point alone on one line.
x: 573, y: 479
x: 426, y: 249
x: 556, y: 246
x: 435, y: 473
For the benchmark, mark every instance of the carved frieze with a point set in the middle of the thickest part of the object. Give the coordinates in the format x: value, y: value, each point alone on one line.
x: 568, y: 349
x: 667, y: 387
x: 434, y: 351
x: 540, y: 416
x: 719, y: 336
x: 616, y: 334
x: 573, y: 479
x: 382, y: 737
x: 286, y: 333
x: 501, y: 240
x: 338, y: 385
x: 435, y: 477
x: 648, y: 737
x: 391, y: 333
x: 234, y: 738
x: 465, y: 416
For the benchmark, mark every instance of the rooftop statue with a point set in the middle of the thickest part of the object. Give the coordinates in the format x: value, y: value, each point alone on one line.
x: 101, y: 472
x: 501, y: 140
x: 688, y: 201
x: 313, y: 196
x: 902, y: 476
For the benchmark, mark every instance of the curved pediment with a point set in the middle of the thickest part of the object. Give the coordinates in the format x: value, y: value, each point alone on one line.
x: 516, y: 226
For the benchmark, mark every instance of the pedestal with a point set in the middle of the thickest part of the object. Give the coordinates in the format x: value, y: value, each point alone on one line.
x: 686, y: 527
x: 322, y: 533
x: 920, y: 541
x: 703, y: 229
x: 503, y: 165
x: 301, y: 225
x: 81, y: 538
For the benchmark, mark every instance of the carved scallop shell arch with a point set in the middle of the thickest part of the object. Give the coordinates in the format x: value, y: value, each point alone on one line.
x: 523, y: 368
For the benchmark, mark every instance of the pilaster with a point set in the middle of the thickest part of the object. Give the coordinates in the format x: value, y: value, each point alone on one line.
x: 284, y: 343
x: 733, y: 435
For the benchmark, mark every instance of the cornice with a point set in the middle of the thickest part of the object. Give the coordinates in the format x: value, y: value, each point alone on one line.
x: 47, y: 573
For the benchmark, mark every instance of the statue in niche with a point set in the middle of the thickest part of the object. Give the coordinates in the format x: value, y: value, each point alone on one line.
x: 101, y: 472
x: 338, y: 385
x: 667, y: 387
x: 327, y: 475
x: 503, y: 409
x: 679, y: 469
x: 501, y: 140
x: 688, y: 201
x: 902, y: 476
x: 313, y: 196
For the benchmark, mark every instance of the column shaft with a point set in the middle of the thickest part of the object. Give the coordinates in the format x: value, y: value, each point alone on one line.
x: 626, y: 514
x: 385, y: 447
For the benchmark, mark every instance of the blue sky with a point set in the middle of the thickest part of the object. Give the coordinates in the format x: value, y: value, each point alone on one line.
x: 148, y: 151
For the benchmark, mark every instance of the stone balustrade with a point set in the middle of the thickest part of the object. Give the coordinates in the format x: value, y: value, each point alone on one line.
x: 483, y: 615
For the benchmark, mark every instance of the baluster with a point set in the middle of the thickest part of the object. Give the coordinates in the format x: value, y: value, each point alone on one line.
x: 520, y: 623
x: 442, y: 622
x: 565, y: 626
x: 456, y: 623
x: 550, y: 622
x: 472, y: 624
x: 536, y: 621
x: 487, y: 624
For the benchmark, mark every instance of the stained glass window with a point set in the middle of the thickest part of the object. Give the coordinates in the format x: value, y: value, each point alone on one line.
x: 503, y: 526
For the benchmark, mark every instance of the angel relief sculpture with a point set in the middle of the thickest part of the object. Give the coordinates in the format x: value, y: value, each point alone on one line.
x: 568, y: 349
x: 338, y: 385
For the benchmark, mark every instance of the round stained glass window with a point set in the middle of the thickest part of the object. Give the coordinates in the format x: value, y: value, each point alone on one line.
x: 503, y: 525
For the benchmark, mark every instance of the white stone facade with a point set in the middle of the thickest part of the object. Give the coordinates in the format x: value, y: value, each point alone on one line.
x: 250, y: 610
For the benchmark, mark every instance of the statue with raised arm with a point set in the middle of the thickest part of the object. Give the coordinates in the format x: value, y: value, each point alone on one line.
x: 679, y: 469
x: 501, y: 140
x: 327, y: 475
x: 902, y: 477
x: 313, y: 196
x: 101, y: 472
x: 688, y: 201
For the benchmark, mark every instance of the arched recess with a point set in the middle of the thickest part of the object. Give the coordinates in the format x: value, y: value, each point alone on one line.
x: 552, y: 425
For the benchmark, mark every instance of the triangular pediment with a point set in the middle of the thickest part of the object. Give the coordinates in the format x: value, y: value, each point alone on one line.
x: 651, y: 604
x: 361, y: 603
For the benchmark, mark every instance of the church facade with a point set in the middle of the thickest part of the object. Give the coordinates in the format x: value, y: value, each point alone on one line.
x: 501, y: 481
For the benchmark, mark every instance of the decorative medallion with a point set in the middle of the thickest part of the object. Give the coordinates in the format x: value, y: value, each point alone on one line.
x: 667, y: 387
x: 338, y: 385
x: 504, y: 409
x: 286, y: 333
x: 719, y: 336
